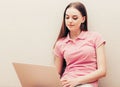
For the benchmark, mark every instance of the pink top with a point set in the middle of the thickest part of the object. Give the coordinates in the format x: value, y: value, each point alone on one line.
x: 80, y: 54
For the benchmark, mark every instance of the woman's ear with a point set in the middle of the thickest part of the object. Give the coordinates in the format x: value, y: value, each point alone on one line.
x: 83, y: 19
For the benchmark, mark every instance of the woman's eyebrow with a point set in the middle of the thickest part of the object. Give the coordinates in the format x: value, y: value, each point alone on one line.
x: 66, y: 14
x: 72, y: 15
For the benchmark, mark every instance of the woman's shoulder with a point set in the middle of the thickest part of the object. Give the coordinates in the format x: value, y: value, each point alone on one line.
x: 93, y: 34
x: 60, y: 41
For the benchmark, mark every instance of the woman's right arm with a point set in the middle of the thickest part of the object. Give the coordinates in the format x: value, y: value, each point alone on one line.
x: 59, y: 64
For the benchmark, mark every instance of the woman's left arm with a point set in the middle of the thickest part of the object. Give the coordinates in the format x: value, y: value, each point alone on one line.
x: 101, y: 67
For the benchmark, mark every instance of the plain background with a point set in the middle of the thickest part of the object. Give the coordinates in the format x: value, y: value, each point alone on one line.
x: 29, y: 28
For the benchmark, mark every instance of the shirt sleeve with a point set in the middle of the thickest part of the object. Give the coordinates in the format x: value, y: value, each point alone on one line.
x: 57, y: 50
x: 99, y: 40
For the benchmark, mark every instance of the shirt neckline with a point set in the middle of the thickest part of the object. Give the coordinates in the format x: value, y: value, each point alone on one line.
x: 81, y: 36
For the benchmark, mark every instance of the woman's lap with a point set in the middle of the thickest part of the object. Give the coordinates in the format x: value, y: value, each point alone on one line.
x: 85, y: 85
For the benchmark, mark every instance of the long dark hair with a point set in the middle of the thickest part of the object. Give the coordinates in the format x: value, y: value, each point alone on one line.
x: 81, y: 8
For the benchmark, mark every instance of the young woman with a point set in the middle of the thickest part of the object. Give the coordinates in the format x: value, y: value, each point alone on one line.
x: 82, y: 50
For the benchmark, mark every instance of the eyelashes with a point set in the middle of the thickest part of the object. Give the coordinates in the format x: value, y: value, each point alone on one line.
x: 74, y: 18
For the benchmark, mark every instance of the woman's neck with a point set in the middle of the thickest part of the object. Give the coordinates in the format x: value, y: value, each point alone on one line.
x: 73, y: 35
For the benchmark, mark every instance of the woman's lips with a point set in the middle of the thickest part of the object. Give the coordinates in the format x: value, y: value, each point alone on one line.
x: 70, y: 25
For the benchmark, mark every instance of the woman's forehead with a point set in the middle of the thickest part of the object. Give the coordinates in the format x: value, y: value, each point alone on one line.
x: 72, y: 11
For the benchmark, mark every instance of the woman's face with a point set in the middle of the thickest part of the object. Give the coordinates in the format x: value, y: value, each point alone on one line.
x: 73, y: 19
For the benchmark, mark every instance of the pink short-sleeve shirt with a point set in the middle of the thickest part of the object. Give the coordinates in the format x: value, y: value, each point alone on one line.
x: 80, y: 54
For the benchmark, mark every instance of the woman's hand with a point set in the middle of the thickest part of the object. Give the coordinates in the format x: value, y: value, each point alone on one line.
x: 70, y: 82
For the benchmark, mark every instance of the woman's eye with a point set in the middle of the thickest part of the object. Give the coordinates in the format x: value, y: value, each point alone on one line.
x: 75, y: 18
x: 66, y: 17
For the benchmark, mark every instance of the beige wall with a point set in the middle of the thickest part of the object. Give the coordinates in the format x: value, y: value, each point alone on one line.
x: 28, y: 29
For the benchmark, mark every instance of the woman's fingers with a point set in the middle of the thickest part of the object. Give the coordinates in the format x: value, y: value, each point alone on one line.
x: 65, y: 83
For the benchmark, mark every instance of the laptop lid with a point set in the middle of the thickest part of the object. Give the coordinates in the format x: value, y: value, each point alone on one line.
x: 31, y: 75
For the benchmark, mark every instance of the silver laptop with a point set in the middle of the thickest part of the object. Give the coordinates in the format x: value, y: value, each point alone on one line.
x: 37, y: 75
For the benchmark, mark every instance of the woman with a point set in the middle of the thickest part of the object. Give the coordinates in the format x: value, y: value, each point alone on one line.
x: 82, y: 50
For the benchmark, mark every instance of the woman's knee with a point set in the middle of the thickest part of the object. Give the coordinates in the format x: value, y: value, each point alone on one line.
x: 85, y: 85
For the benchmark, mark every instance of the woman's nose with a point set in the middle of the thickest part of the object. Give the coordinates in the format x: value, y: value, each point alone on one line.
x: 70, y: 20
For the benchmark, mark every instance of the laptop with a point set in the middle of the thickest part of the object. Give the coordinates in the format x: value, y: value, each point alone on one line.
x: 31, y: 75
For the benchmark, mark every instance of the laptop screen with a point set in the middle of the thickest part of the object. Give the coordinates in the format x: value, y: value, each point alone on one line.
x: 31, y: 75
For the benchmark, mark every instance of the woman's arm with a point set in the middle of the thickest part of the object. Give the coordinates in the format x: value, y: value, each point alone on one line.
x: 101, y: 67
x: 59, y: 64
